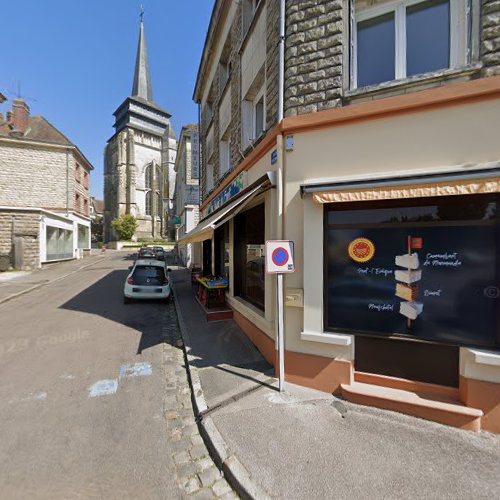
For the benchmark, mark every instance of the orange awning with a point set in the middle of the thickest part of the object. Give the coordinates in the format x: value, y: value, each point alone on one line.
x: 452, y: 184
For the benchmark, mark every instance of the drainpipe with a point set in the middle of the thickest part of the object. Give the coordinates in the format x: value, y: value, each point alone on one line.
x: 280, y: 191
x: 199, y: 159
x: 67, y: 182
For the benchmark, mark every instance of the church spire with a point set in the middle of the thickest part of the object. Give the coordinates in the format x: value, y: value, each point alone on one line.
x: 142, y: 78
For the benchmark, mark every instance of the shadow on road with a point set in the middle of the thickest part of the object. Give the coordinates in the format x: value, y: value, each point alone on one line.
x: 155, y: 320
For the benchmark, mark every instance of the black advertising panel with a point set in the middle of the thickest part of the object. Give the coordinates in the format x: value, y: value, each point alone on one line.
x: 424, y: 269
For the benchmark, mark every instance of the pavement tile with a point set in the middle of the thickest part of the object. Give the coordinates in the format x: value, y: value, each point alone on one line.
x: 198, y: 451
x: 181, y: 458
x: 204, y: 463
x: 191, y: 485
x: 209, y: 476
x: 221, y: 487
x: 196, y: 439
x: 187, y: 470
x: 229, y: 496
x: 190, y: 430
x: 181, y: 445
x: 204, y: 494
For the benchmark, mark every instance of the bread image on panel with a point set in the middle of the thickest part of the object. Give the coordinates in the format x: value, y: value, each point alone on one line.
x: 411, y: 309
x: 406, y: 292
x: 408, y: 276
x: 408, y: 261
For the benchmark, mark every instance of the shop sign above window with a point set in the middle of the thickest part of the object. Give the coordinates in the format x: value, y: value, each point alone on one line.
x: 237, y: 185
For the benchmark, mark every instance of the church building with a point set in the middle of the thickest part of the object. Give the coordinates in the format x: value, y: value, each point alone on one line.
x: 139, y: 159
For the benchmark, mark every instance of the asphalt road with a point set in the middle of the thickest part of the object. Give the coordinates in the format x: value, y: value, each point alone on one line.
x: 82, y: 388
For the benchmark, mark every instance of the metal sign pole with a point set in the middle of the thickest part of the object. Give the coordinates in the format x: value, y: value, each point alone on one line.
x: 281, y: 342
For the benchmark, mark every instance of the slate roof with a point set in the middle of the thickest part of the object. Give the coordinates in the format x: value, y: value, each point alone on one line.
x: 98, y: 206
x: 39, y: 129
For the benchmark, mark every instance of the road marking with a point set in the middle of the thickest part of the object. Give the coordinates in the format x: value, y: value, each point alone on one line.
x: 37, y: 396
x: 136, y: 370
x: 103, y: 388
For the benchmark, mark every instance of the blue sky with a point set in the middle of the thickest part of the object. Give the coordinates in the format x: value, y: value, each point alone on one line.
x: 75, y: 59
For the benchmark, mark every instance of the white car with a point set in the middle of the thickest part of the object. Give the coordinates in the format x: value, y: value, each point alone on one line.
x: 147, y: 280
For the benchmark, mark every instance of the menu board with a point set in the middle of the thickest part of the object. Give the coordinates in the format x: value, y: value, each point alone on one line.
x: 438, y: 282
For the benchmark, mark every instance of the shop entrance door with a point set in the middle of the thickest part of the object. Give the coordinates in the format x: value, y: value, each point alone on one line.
x: 419, y: 361
x: 207, y: 257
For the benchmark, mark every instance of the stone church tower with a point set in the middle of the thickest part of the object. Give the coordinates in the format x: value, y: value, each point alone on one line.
x: 139, y: 159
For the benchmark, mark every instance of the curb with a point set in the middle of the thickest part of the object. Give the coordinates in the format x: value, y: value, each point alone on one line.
x: 234, y: 471
x: 40, y: 285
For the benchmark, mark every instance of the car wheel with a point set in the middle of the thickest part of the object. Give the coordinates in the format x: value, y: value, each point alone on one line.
x: 167, y: 300
x: 126, y: 300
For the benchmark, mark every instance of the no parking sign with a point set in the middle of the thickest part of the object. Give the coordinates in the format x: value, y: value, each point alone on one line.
x: 279, y: 257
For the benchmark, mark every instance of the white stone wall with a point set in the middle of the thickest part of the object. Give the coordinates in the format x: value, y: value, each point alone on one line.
x: 33, y: 177
x: 143, y: 157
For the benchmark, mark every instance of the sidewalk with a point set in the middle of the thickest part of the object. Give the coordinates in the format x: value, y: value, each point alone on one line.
x: 26, y: 282
x: 309, y: 444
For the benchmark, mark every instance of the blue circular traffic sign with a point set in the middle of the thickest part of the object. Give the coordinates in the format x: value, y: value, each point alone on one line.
x: 280, y: 256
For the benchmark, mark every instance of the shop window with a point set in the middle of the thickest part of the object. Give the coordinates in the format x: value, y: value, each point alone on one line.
x: 421, y: 269
x: 83, y: 236
x: 221, y: 239
x: 59, y: 243
x: 249, y: 268
x: 394, y: 40
x: 207, y: 257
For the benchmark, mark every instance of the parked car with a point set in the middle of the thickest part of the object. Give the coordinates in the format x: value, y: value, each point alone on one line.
x: 146, y: 253
x: 160, y: 253
x: 147, y: 280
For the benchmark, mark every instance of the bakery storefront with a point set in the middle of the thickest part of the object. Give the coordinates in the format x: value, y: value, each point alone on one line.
x: 411, y: 273
x: 233, y: 235
x: 414, y: 279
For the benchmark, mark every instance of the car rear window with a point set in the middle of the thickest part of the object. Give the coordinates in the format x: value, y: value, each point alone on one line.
x: 154, y: 274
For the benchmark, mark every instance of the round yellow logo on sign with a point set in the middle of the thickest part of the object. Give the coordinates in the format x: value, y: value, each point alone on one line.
x: 361, y: 250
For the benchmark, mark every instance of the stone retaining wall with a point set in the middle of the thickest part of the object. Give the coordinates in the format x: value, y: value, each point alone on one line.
x: 19, y: 231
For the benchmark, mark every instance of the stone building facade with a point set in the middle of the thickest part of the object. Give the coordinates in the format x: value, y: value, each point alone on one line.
x: 390, y: 127
x: 318, y: 67
x: 187, y: 192
x: 139, y: 177
x: 44, y: 178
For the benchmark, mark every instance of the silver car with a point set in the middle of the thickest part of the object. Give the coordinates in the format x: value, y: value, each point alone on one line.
x: 147, y: 280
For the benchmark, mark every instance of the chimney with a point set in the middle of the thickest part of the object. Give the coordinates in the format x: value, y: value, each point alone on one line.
x: 20, y: 115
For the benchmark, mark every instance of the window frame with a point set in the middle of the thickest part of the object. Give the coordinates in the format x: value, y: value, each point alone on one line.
x: 394, y: 204
x: 209, y: 187
x: 460, y: 36
x: 148, y: 197
x: 225, y: 159
x: 260, y: 95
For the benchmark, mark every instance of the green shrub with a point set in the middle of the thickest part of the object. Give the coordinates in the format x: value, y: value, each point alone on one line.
x: 125, y: 226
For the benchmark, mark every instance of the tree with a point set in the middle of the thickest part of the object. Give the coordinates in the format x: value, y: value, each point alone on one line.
x: 96, y: 228
x: 125, y: 226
